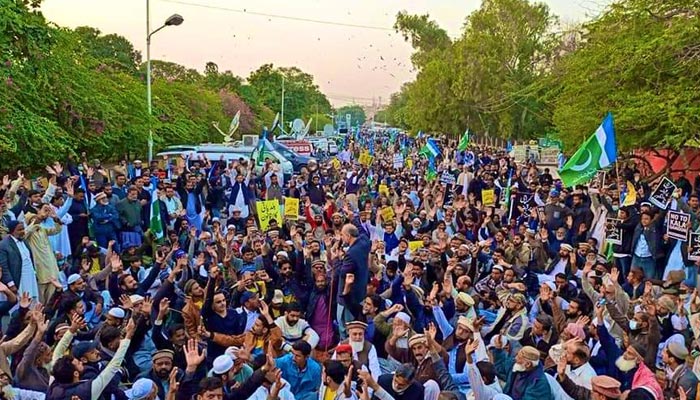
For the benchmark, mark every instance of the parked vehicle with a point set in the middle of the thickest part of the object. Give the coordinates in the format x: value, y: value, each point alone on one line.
x: 216, y: 152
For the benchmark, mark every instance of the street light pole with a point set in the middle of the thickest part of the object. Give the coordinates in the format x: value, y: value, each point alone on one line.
x: 282, y: 116
x: 173, y: 20
x: 148, y: 79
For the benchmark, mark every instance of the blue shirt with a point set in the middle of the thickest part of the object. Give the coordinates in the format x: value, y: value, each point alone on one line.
x: 642, y: 248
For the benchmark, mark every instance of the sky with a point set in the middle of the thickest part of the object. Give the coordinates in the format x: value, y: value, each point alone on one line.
x: 350, y: 64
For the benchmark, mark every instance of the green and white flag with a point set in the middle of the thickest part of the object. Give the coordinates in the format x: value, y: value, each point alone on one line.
x: 464, y: 141
x: 596, y: 153
x: 156, y: 225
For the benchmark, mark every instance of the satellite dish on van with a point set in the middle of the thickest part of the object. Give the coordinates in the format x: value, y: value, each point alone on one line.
x: 297, y: 126
x: 328, y: 130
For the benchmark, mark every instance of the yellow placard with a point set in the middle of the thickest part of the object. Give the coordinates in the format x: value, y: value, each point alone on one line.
x: 415, y: 245
x: 387, y: 214
x: 366, y: 159
x: 291, y: 208
x: 267, y: 211
x: 409, y: 163
x: 335, y: 163
x: 488, y: 197
x: 384, y: 190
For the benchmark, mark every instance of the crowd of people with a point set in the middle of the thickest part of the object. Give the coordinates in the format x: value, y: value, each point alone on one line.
x: 457, y: 275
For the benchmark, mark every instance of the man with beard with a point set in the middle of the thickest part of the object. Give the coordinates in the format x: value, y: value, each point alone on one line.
x: 362, y: 350
x: 402, y: 384
x: 313, y: 252
x: 578, y: 369
x: 518, y: 253
x: 319, y: 313
x: 336, y: 222
x: 295, y: 329
x: 430, y: 367
x: 541, y: 335
x: 287, y: 282
x: 524, y: 374
x: 371, y: 307
x: 633, y: 360
x: 176, y: 339
x: 511, y: 319
x: 160, y: 372
x: 564, y: 263
x: 464, y: 334
x: 679, y: 375
x: 364, y: 225
x: 643, y: 329
x: 464, y: 307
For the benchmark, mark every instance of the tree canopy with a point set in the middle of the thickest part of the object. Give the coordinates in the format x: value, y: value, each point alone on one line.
x: 516, y: 73
x: 65, y: 91
x: 357, y: 114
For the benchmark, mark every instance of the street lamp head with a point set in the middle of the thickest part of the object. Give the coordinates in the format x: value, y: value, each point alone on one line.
x: 174, y: 20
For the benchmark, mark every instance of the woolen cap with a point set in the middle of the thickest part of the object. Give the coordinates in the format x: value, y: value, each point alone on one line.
x: 678, y: 350
x: 165, y: 353
x: 355, y: 324
x: 530, y: 353
x: 606, y: 386
x: 417, y: 339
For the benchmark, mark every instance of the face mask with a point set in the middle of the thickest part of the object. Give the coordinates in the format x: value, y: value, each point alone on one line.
x: 634, y: 325
x: 616, y: 208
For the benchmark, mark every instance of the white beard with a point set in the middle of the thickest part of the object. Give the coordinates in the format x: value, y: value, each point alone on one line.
x: 518, y: 368
x: 357, y: 346
x: 625, y: 365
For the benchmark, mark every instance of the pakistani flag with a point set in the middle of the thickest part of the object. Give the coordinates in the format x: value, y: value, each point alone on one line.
x: 431, y: 174
x: 464, y: 141
x: 596, y: 153
x: 156, y: 225
x: 430, y: 150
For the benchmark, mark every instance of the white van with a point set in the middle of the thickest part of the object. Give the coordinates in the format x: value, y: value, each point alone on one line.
x: 215, y: 152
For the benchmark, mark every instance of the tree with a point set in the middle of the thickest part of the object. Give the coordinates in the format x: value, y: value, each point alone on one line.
x: 112, y: 50
x: 481, y: 81
x: 425, y: 35
x: 639, y: 60
x: 356, y: 112
x: 302, y: 95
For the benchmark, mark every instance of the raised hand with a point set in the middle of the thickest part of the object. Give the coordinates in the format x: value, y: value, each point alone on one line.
x: 25, y: 301
x: 192, y: 354
x: 126, y: 302
x: 130, y: 328
x: 76, y: 323
x: 498, y: 343
x: 174, y: 384
x: 163, y: 308
x: 561, y: 367
x: 614, y: 274
x: 583, y: 321
x: 471, y: 347
x: 431, y: 331
x: 147, y: 305
x: 277, y: 386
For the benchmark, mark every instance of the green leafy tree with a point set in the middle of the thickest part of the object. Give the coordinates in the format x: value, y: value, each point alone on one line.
x: 357, y: 113
x: 639, y: 60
